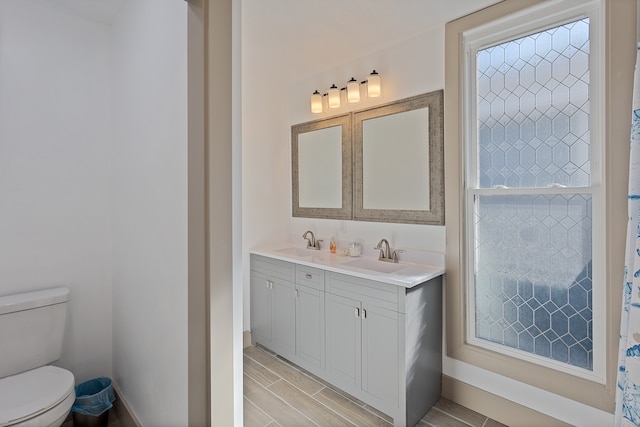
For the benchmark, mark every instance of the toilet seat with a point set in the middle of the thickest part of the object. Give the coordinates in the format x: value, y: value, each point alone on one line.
x: 29, y: 394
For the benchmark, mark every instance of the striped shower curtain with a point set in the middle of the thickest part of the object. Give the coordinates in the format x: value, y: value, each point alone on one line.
x: 628, y: 390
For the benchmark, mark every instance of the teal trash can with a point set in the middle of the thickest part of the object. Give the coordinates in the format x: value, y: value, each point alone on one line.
x: 94, y: 398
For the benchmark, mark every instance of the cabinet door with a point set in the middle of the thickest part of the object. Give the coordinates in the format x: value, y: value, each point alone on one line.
x: 380, y: 353
x: 343, y: 341
x: 261, y: 309
x: 283, y: 317
x: 310, y: 326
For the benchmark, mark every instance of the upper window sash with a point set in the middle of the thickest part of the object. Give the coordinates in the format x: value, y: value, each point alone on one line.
x: 545, y: 17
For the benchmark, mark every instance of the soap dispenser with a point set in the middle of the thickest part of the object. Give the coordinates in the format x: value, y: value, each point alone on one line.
x: 332, y: 246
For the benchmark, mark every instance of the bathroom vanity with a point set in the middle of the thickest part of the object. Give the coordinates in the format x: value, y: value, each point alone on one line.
x: 370, y: 328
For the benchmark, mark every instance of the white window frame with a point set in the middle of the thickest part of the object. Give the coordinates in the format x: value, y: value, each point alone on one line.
x: 549, y: 15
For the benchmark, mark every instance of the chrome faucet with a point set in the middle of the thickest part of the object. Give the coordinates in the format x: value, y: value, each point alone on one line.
x: 385, y: 252
x: 312, y: 243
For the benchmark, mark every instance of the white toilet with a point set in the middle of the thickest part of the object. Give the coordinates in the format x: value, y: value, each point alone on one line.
x: 31, y: 332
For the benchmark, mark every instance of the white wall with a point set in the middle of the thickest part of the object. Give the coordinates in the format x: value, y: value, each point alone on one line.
x: 265, y: 152
x: 55, y: 156
x: 150, y: 209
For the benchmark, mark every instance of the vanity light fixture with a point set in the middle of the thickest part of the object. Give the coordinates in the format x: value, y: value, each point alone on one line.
x: 373, y: 85
x: 334, y: 97
x: 352, y: 90
x: 316, y: 102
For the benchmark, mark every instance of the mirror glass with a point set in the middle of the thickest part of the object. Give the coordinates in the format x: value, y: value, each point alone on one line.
x: 320, y: 168
x: 398, y: 161
x: 395, y: 161
x: 321, y: 165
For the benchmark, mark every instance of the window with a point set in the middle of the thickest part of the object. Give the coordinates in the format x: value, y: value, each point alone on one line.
x: 532, y: 196
x: 593, y: 199
x: 532, y: 252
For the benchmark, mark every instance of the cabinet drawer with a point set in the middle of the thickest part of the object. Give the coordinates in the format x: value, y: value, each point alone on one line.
x: 273, y: 268
x: 310, y: 277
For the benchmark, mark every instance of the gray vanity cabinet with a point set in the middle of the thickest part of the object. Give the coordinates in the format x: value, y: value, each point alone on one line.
x: 310, y: 316
x: 287, y: 310
x: 384, y: 343
x: 363, y: 326
x: 362, y: 347
x: 343, y: 343
x: 273, y: 305
x: 379, y: 342
x: 380, y: 353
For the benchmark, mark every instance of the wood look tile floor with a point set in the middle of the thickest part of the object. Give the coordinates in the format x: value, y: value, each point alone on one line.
x: 278, y: 393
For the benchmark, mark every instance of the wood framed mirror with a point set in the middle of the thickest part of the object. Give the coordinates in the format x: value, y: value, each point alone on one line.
x: 399, y: 161
x: 321, y: 168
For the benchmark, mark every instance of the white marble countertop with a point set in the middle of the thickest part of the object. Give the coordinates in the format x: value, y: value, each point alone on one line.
x: 407, y: 274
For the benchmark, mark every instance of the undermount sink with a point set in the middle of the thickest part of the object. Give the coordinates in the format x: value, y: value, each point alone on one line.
x: 379, y: 266
x: 300, y: 252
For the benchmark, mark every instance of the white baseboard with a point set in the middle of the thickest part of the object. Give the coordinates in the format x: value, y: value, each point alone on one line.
x: 495, y: 407
x: 123, y: 410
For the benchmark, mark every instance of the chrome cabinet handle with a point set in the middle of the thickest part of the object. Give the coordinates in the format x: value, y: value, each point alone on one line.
x: 308, y: 276
x: 295, y: 294
x: 364, y: 313
x: 357, y: 312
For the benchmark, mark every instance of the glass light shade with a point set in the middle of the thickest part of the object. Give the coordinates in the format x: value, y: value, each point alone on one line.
x: 316, y: 102
x: 373, y: 85
x: 353, y: 91
x: 334, y: 97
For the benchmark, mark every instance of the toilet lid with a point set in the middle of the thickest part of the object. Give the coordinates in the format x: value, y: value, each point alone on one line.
x: 33, y: 392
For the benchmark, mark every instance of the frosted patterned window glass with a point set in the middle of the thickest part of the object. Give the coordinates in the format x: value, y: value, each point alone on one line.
x: 533, y: 276
x: 533, y: 109
x: 533, y: 252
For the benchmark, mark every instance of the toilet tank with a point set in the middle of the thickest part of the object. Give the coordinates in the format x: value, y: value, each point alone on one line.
x: 31, y: 329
